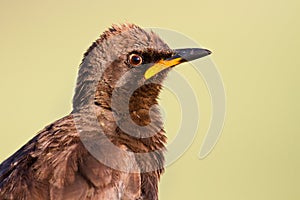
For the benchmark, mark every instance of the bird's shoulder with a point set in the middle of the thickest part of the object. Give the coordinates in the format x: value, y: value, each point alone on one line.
x: 52, y: 153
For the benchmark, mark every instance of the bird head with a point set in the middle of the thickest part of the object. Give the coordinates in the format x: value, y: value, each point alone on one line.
x: 130, y: 64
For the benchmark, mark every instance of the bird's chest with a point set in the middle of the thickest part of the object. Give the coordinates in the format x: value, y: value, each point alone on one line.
x: 109, y: 183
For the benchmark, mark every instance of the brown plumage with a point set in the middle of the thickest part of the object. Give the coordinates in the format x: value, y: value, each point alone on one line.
x: 58, y: 163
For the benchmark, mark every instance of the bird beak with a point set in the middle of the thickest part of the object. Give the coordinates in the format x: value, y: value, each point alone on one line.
x: 180, y: 56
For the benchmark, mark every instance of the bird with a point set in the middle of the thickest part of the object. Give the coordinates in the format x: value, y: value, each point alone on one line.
x: 112, y: 144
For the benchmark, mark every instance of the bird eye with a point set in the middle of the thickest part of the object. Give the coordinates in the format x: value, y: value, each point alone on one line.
x: 135, y: 60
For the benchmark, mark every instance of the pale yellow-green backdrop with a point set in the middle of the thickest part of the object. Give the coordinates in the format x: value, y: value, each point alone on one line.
x: 255, y: 45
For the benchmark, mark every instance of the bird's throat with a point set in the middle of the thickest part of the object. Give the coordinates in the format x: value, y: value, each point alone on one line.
x: 137, y: 104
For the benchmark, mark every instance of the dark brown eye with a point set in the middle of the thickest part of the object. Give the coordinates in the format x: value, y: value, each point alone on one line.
x: 135, y: 60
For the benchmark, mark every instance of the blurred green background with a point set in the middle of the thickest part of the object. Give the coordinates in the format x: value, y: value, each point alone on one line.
x: 255, y: 45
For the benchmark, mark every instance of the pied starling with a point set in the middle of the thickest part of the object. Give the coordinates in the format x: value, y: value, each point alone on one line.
x: 111, y: 145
